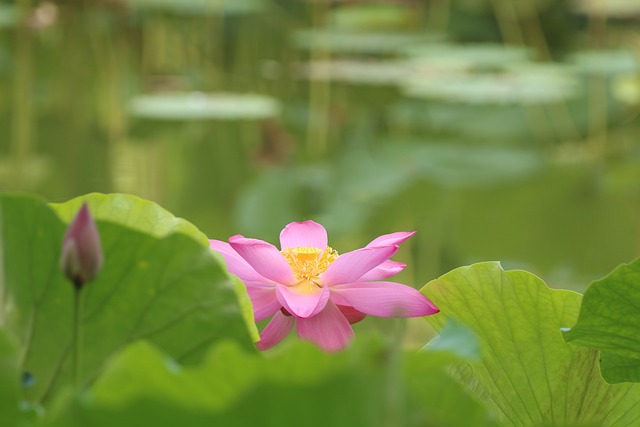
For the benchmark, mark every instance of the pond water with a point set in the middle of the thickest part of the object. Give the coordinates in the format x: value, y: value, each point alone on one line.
x: 497, y: 136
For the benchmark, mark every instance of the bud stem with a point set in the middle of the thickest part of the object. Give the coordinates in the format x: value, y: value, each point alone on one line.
x: 77, y: 335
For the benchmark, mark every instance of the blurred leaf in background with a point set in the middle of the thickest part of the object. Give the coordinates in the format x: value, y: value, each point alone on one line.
x: 297, y: 385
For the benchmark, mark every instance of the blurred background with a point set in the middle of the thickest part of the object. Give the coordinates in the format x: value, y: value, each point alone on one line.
x: 498, y: 129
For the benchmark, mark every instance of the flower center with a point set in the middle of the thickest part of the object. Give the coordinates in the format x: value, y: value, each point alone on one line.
x: 308, y: 263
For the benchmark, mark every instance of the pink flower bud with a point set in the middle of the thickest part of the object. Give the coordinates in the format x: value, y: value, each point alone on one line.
x: 81, y: 258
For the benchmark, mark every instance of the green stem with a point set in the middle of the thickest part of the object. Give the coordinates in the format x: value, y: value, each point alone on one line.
x: 77, y: 337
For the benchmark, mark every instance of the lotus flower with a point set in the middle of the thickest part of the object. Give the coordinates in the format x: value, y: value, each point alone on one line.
x: 309, y: 284
x: 81, y: 258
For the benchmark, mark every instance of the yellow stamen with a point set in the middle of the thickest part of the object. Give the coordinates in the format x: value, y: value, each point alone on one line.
x: 308, y: 263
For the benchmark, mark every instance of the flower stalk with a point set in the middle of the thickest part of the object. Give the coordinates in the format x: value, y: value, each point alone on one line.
x: 77, y: 336
x: 81, y: 260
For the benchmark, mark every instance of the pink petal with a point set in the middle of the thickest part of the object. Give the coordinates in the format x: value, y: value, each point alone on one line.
x: 264, y: 300
x: 352, y: 315
x: 265, y: 259
x: 329, y: 329
x: 303, y: 234
x: 391, y: 239
x: 277, y: 329
x: 351, y: 266
x: 236, y: 264
x: 300, y: 302
x: 383, y: 271
x: 384, y: 299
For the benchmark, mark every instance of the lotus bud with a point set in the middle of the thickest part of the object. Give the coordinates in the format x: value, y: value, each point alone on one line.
x: 81, y: 258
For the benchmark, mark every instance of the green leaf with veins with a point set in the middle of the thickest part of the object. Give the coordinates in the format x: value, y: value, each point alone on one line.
x: 618, y: 369
x: 609, y: 321
x: 148, y: 217
x: 527, y: 373
x: 610, y: 314
x: 170, y: 291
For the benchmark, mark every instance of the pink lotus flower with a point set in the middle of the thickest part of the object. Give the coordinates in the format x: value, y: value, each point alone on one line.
x: 323, y: 293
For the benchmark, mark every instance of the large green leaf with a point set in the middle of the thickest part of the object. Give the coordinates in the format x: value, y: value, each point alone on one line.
x: 132, y: 211
x: 148, y: 217
x: 186, y: 106
x: 170, y: 291
x: 610, y: 314
x: 609, y: 321
x: 618, y: 369
x: 527, y: 373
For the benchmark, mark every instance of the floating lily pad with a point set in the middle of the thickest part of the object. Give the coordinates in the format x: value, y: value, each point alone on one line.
x: 198, y: 7
x: 442, y: 56
x: 484, y: 74
x: 365, y: 17
x: 361, y: 42
x: 523, y: 84
x: 378, y: 73
x: 610, y: 8
x: 186, y: 106
x: 606, y: 62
